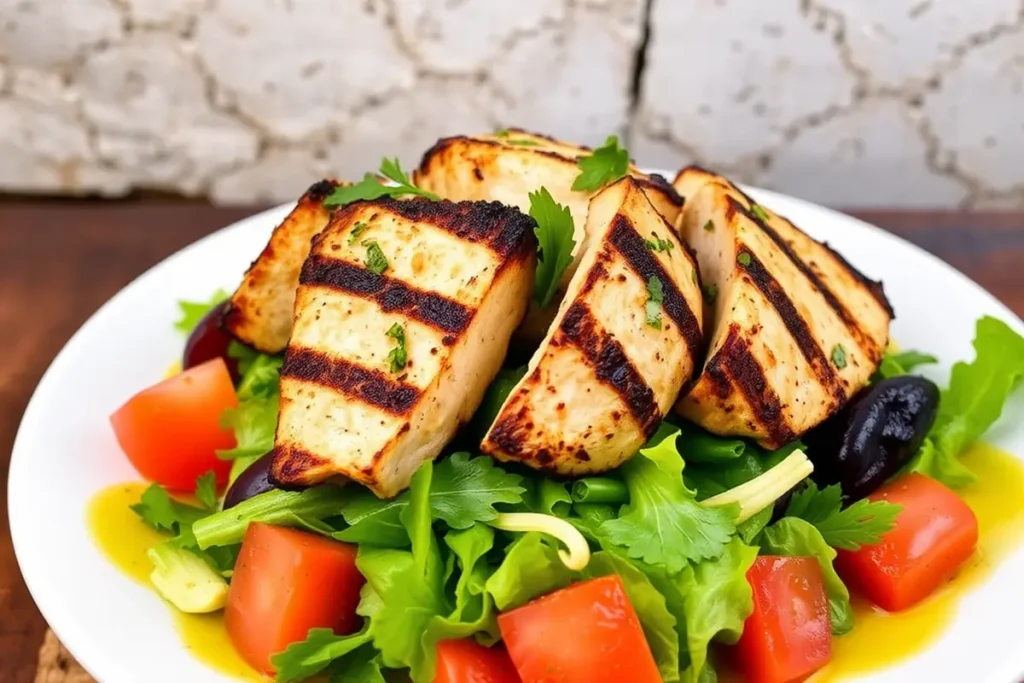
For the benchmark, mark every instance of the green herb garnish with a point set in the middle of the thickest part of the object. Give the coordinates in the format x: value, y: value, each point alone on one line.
x: 608, y: 163
x: 655, y: 296
x: 555, y: 242
x: 375, y: 261
x: 658, y: 244
x: 398, y: 356
x: 839, y: 356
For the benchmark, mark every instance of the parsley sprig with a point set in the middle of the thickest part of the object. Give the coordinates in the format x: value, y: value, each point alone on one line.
x: 555, y: 241
x: 861, y: 523
x: 608, y: 163
x: 370, y: 186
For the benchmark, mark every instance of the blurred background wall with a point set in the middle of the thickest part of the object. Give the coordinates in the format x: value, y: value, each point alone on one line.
x: 896, y: 103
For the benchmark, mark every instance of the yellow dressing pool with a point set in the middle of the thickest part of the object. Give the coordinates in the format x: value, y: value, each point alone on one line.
x: 124, y: 539
x: 879, y: 639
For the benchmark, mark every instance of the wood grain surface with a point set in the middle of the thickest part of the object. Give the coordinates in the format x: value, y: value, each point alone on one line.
x: 60, y: 261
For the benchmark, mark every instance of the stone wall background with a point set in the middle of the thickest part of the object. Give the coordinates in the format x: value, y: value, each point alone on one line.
x: 904, y: 103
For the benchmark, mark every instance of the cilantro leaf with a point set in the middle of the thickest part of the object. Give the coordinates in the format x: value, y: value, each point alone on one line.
x: 464, y: 490
x: 163, y: 513
x: 397, y: 356
x: 370, y: 187
x: 606, y: 164
x: 375, y: 260
x: 555, y: 241
x: 655, y: 296
x: 972, y: 402
x: 663, y: 524
x: 194, y: 311
x: 206, y: 490
x: 901, y: 363
x: 309, y: 657
x: 839, y: 356
x: 658, y: 244
x: 795, y: 537
x: 861, y: 523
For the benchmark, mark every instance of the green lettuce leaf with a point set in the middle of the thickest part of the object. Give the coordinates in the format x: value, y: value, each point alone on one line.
x: 361, y: 666
x: 795, y: 537
x: 404, y: 590
x: 972, y: 402
x: 531, y: 568
x: 901, y: 363
x: 494, y: 398
x: 663, y: 524
x: 309, y: 657
x: 863, y: 522
x: 163, y: 513
x: 194, y: 311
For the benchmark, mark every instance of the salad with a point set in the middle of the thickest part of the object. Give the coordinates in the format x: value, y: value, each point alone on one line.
x: 569, y: 423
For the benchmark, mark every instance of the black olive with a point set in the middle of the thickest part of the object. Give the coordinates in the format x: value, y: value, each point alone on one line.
x: 873, y: 435
x: 252, y: 482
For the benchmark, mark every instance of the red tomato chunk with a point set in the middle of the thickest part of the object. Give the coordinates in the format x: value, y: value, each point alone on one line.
x: 586, y: 633
x: 788, y: 636
x: 286, y: 582
x: 466, y: 661
x: 934, y: 534
x: 171, y: 431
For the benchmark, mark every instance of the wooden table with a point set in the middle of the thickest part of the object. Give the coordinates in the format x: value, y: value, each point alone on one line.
x: 60, y: 260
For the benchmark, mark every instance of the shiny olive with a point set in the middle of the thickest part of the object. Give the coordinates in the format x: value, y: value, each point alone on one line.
x: 874, y: 435
x: 208, y: 341
x: 252, y: 482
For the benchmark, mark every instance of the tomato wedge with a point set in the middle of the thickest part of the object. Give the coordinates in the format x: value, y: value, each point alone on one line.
x: 788, y: 636
x: 171, y: 431
x: 466, y: 661
x: 586, y: 633
x: 934, y: 534
x: 286, y: 582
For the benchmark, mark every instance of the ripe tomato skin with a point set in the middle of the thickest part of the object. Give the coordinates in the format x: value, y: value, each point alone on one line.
x: 171, y: 431
x: 466, y: 661
x: 585, y: 633
x: 934, y: 534
x: 286, y: 582
x: 788, y: 636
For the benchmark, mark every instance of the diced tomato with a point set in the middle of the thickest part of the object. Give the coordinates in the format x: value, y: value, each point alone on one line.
x: 466, y: 661
x: 934, y: 534
x: 286, y: 582
x: 586, y: 633
x: 788, y: 636
x: 171, y: 431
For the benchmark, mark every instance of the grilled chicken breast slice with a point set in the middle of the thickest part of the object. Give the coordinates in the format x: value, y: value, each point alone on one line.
x: 606, y: 375
x: 455, y: 281
x: 260, y: 311
x: 794, y: 330
x: 507, y: 167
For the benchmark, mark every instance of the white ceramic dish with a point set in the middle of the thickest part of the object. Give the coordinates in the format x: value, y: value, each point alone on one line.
x: 122, y: 633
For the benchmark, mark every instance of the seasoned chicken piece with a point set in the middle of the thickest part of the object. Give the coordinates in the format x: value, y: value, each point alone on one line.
x: 402, y: 318
x: 259, y: 313
x: 794, y: 330
x: 507, y: 167
x: 626, y: 338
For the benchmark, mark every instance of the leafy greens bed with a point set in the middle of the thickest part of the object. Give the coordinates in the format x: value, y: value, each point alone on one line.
x: 680, y: 524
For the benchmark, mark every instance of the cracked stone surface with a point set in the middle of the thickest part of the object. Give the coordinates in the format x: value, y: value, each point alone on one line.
x: 899, y: 103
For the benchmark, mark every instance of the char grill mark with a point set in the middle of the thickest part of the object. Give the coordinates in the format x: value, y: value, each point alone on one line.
x: 734, y: 364
x: 372, y: 387
x: 606, y: 357
x: 628, y: 242
x: 795, y: 324
x: 392, y: 295
x: 862, y: 339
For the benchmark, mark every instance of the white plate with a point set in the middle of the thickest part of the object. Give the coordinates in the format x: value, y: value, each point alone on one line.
x: 122, y: 633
